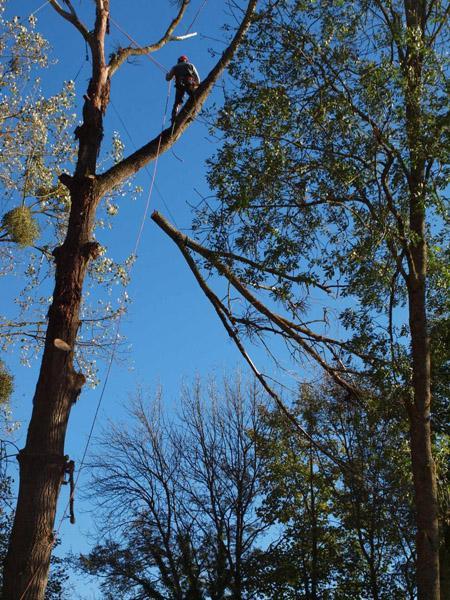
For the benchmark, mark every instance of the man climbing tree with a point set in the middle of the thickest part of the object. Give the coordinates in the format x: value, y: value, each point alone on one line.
x: 42, y: 461
x: 187, y: 81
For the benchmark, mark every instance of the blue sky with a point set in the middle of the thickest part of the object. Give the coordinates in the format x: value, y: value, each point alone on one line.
x: 172, y: 330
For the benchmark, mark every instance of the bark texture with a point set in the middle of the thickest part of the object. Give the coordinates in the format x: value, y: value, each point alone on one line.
x: 42, y: 461
x: 424, y: 474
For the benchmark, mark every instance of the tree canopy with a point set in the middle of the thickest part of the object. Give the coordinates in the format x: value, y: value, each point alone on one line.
x: 330, y: 209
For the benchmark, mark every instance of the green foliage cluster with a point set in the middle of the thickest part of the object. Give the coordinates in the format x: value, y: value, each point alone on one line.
x: 334, y: 164
x: 20, y: 225
x: 338, y: 538
x: 313, y: 175
x: 35, y: 141
x: 6, y: 384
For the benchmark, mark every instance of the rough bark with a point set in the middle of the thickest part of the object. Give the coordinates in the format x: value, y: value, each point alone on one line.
x: 424, y: 475
x: 419, y: 411
x: 42, y: 461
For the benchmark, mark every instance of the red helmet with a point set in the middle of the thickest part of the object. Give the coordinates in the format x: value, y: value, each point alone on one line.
x: 183, y: 58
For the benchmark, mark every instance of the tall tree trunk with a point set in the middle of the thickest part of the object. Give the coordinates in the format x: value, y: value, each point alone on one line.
x: 424, y: 474
x: 42, y: 461
x: 423, y: 467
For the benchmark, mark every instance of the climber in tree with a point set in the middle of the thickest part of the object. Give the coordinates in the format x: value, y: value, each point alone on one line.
x: 186, y: 80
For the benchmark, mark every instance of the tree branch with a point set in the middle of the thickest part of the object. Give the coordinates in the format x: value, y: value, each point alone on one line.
x: 72, y: 17
x: 166, y: 139
x: 124, y: 53
x: 227, y: 319
x: 307, y: 280
x: 181, y: 241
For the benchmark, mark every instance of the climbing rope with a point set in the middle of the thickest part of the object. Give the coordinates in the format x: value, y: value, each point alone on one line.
x: 38, y: 9
x: 79, y: 70
x: 69, y: 469
x: 119, y: 320
x: 196, y: 16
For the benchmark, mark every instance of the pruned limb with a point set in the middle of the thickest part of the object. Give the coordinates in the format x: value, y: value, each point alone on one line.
x: 227, y: 320
x: 182, y: 241
x: 307, y: 280
x: 181, y: 38
x: 164, y: 141
x: 124, y: 53
x: 72, y: 17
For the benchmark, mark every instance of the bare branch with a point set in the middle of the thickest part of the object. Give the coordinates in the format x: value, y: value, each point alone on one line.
x: 72, y: 17
x: 307, y: 280
x: 182, y: 240
x: 227, y: 320
x: 124, y: 53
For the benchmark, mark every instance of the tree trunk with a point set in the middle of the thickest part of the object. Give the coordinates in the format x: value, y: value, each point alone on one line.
x: 424, y: 475
x: 42, y: 461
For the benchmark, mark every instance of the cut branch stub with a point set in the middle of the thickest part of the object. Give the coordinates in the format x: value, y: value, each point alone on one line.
x: 61, y: 345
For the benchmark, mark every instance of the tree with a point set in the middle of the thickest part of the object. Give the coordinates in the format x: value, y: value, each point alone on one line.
x: 42, y: 461
x: 178, y: 497
x: 346, y: 520
x: 332, y: 178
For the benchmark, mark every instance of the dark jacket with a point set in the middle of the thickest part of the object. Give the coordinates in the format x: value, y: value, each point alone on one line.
x: 181, y: 71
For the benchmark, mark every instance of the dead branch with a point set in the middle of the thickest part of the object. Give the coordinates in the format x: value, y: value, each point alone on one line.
x: 124, y: 53
x: 227, y: 321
